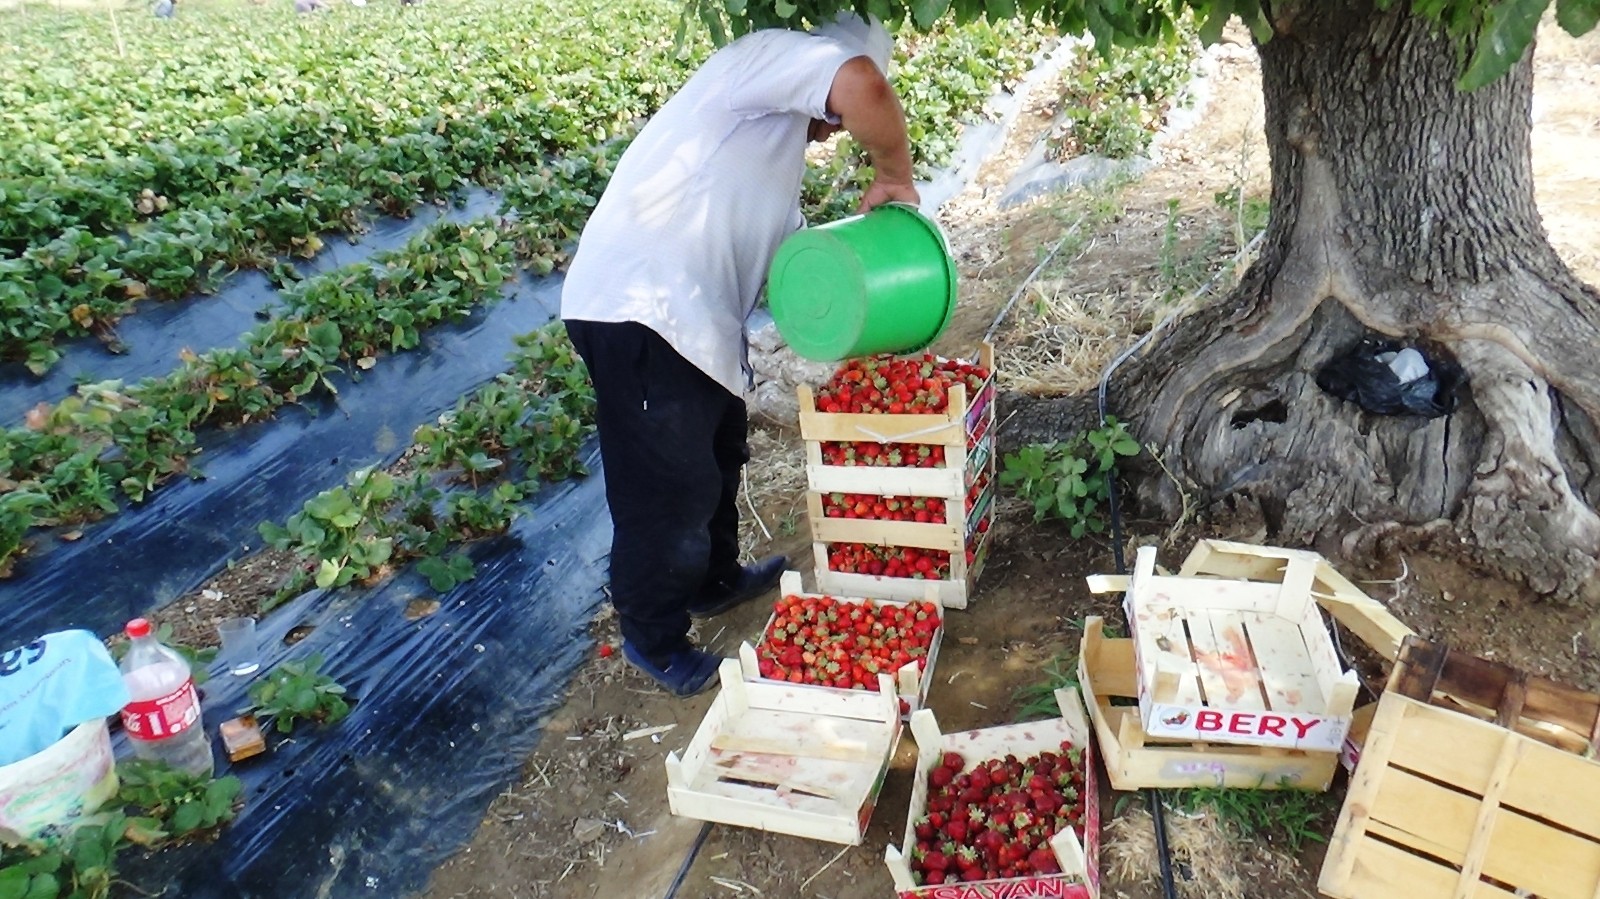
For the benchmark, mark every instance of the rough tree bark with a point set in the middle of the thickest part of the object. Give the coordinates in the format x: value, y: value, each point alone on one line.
x: 1400, y: 207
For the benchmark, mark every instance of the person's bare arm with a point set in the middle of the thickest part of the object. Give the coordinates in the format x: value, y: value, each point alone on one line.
x: 868, y: 108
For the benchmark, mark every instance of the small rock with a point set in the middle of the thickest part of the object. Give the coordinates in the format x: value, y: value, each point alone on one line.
x: 587, y: 830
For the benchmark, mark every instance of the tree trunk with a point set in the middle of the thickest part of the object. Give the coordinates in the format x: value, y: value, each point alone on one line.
x: 1404, y: 208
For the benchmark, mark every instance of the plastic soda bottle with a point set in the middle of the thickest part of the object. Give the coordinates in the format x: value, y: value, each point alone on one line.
x: 162, y: 716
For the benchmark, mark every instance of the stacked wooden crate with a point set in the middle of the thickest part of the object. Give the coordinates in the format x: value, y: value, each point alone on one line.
x: 964, y: 485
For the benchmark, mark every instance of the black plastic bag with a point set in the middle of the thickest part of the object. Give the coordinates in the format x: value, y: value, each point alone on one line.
x: 1366, y: 377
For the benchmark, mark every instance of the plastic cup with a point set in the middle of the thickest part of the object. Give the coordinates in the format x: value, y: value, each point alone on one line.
x: 239, y: 645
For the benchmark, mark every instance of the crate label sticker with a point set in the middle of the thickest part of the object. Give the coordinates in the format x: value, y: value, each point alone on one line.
x: 1030, y: 888
x: 1297, y: 730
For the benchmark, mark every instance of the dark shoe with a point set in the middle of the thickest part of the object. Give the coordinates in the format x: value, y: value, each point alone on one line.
x: 688, y: 672
x: 754, y: 580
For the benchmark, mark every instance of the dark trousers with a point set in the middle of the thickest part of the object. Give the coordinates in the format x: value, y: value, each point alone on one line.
x: 672, y: 443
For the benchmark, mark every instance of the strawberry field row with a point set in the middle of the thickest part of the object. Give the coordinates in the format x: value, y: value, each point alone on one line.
x: 70, y: 463
x: 151, y: 178
x: 464, y: 477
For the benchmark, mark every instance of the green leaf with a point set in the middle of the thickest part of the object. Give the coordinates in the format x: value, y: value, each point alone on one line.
x: 187, y: 817
x: 14, y: 883
x: 1507, y: 32
x: 784, y: 9
x: 328, y: 573
x: 734, y: 7
x: 1577, y: 17
x: 44, y: 886
x: 1211, y: 29
x: 926, y: 12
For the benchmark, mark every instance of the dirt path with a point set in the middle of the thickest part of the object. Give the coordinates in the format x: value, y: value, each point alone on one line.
x: 589, y: 818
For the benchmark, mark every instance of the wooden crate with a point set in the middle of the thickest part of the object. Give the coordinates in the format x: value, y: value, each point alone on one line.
x: 786, y: 759
x: 954, y: 592
x: 911, y: 683
x: 1235, y: 661
x: 965, y: 421
x: 1134, y: 761
x: 1079, y: 860
x: 1542, y: 709
x: 1444, y: 804
x: 965, y: 430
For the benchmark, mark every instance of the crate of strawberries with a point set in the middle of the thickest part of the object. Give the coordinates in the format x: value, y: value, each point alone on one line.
x: 1007, y: 811
x: 844, y: 643
x: 899, y: 473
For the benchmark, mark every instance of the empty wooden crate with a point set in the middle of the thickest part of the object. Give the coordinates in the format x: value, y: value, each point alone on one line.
x: 1444, y: 804
x: 1229, y: 660
x: 1134, y: 760
x: 787, y: 759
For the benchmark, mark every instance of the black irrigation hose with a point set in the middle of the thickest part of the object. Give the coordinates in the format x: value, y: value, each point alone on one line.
x: 1152, y: 795
x: 688, y: 860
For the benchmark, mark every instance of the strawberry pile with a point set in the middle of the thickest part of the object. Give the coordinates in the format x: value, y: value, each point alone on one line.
x: 996, y: 820
x: 840, y: 643
x: 889, y: 561
x: 895, y: 455
x: 898, y: 385
x: 921, y: 509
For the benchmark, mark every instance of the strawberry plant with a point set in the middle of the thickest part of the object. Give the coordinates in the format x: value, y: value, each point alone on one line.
x: 1114, y: 102
x: 845, y: 643
x: 17, y: 517
x: 113, y: 437
x: 1070, y: 479
x: 177, y: 803
x: 83, y: 866
x: 340, y: 529
x: 995, y: 819
x: 298, y: 691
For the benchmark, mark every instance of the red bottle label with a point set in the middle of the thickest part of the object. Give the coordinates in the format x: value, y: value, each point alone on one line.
x: 157, y: 719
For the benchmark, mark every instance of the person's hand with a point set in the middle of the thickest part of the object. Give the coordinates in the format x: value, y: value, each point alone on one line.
x: 881, y: 192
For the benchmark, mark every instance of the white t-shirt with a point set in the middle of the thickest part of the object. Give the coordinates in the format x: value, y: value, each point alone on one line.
x: 682, y: 238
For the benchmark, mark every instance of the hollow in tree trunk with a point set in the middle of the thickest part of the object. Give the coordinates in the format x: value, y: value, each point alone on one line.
x: 1402, y: 208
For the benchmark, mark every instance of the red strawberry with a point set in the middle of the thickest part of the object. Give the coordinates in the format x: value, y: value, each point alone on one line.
x: 1044, y: 861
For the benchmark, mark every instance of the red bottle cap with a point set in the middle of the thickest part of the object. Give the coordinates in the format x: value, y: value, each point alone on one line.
x: 137, y: 628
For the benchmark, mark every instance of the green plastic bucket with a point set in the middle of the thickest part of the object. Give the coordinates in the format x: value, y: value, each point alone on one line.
x: 882, y: 282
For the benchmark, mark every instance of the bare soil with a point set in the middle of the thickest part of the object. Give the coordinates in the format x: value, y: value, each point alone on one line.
x: 588, y: 816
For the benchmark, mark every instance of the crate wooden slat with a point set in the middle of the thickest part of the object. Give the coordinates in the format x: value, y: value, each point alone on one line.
x: 787, y: 760
x: 1079, y: 859
x: 1444, y: 804
x: 1135, y: 761
x: 910, y: 682
x: 1237, y: 661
